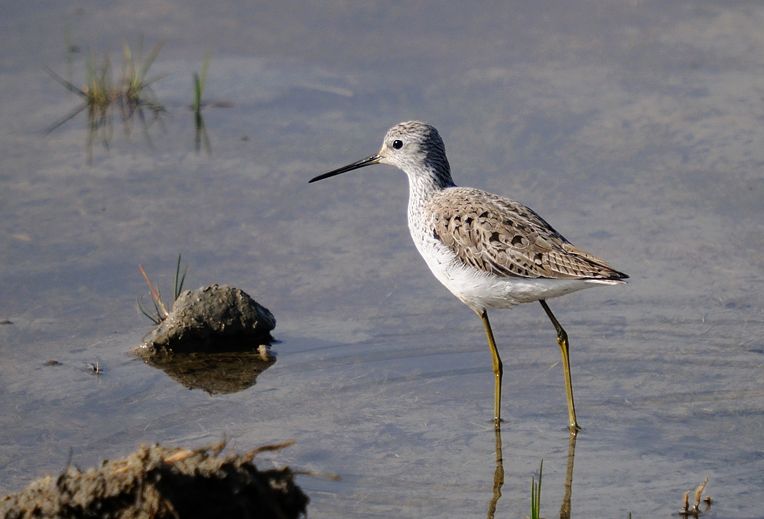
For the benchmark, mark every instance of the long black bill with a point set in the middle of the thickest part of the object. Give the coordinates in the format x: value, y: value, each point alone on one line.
x: 368, y: 161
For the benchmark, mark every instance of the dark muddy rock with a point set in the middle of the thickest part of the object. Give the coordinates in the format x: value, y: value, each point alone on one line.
x: 212, y: 318
x: 164, y: 482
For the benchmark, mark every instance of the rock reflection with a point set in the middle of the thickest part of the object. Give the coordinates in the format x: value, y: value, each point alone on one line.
x: 215, y: 373
x: 498, y: 478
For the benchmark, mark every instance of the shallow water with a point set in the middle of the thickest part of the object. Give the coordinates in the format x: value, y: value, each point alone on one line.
x: 634, y: 129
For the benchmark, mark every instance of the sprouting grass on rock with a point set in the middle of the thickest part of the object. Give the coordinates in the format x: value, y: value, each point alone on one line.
x: 160, y: 312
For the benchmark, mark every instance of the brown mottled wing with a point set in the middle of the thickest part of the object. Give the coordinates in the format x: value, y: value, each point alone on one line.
x: 505, y: 238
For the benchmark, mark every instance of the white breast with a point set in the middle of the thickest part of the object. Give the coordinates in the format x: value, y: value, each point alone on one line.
x: 480, y: 290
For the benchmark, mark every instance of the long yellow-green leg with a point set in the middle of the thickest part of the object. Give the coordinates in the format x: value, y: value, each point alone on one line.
x: 562, y: 341
x: 498, y: 369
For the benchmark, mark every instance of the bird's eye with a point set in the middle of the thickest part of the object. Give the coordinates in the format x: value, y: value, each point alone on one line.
x: 397, y: 144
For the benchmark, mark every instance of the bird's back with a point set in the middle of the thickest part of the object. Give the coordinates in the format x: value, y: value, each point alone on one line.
x: 504, y: 238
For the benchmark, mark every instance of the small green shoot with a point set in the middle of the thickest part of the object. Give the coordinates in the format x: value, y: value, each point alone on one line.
x: 536, y: 494
x: 160, y: 312
x: 200, y: 80
x: 135, y: 82
x: 179, y: 279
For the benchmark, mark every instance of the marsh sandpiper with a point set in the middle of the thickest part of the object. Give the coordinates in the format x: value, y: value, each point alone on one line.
x: 489, y: 251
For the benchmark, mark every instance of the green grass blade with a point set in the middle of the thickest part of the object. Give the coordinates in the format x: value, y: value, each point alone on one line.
x: 66, y: 118
x: 66, y: 84
x: 541, y: 472
x: 203, y: 74
x: 197, y: 105
x: 179, y: 279
x: 536, y: 494
x: 182, y: 280
x: 145, y: 312
x: 200, y: 80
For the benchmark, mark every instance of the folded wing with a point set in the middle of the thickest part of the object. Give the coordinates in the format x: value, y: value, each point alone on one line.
x: 505, y: 238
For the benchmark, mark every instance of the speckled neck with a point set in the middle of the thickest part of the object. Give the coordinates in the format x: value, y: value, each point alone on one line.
x: 424, y: 182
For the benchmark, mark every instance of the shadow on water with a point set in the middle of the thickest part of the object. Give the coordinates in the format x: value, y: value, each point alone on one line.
x: 498, y: 478
x: 214, y: 373
x: 201, y: 139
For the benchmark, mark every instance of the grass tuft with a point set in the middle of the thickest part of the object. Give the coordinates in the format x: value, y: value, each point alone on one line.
x: 536, y: 494
x: 102, y: 92
x: 160, y: 311
x: 200, y: 80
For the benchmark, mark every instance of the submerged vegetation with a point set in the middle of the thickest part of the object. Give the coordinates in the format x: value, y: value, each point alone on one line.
x: 108, y: 94
x: 103, y: 94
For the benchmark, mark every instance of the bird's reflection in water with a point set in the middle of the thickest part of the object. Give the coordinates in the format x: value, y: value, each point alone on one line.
x: 498, y: 478
x: 565, y: 506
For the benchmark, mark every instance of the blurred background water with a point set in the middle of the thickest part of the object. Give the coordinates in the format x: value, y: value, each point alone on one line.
x: 634, y: 128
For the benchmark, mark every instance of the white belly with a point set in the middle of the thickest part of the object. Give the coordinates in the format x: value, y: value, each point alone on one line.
x: 480, y: 290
